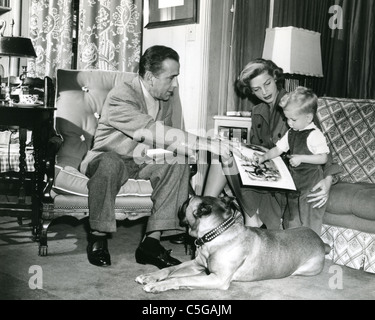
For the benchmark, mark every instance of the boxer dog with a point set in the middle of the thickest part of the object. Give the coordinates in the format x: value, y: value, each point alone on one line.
x: 229, y: 251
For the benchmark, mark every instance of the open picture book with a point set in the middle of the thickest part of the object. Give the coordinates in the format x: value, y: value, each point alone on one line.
x: 270, y: 174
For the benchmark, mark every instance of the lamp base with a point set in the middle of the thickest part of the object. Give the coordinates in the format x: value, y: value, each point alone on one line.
x: 7, y: 94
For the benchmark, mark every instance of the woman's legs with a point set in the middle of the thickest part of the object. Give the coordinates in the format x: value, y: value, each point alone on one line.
x: 215, y: 183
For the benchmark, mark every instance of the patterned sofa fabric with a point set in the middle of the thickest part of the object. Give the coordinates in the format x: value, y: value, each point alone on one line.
x: 349, y: 126
x: 349, y: 221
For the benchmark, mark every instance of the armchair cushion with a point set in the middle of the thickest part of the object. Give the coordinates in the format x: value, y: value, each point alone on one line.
x: 70, y: 181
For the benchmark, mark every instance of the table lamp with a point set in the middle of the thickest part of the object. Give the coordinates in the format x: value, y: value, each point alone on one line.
x: 15, y: 47
x: 297, y: 51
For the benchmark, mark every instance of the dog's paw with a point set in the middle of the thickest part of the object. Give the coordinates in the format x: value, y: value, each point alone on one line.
x: 145, y: 279
x: 153, y: 288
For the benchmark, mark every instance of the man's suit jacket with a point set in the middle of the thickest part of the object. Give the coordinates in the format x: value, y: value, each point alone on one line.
x: 125, y: 123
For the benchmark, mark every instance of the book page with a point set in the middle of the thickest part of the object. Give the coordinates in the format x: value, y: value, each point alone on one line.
x: 271, y: 174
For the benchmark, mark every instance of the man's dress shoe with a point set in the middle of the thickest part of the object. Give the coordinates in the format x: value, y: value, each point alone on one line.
x: 97, y: 251
x: 179, y: 239
x: 161, y: 259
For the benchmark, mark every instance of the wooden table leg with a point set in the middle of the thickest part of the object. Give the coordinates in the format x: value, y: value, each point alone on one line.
x: 37, y: 183
x: 22, y: 166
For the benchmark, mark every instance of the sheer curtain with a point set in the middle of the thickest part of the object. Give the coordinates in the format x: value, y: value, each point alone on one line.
x: 110, y: 34
x: 51, y: 31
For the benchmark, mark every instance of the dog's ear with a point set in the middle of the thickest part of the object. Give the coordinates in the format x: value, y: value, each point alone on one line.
x: 231, y: 204
x: 204, y: 209
x: 182, y: 210
x: 227, y: 200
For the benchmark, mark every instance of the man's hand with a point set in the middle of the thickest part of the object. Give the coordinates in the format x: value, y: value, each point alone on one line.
x: 320, y: 193
x: 223, y: 148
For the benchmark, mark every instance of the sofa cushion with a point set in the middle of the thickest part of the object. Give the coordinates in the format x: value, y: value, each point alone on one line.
x: 353, y: 199
x: 349, y: 126
x: 69, y: 180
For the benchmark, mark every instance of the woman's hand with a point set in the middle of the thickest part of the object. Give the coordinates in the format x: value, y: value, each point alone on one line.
x: 320, y: 193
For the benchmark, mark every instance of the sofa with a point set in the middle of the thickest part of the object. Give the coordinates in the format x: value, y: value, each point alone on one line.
x: 80, y: 96
x: 349, y: 221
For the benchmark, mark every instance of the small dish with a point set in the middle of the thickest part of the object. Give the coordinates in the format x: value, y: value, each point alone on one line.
x: 233, y: 114
x: 27, y: 105
x: 246, y: 114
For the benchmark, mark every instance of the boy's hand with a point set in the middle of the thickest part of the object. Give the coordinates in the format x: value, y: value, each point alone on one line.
x: 295, y: 160
x: 258, y: 158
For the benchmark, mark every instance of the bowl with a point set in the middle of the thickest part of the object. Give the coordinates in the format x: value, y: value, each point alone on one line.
x: 246, y: 114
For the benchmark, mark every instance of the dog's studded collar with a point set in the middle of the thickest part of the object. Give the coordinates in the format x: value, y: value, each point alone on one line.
x: 215, y: 232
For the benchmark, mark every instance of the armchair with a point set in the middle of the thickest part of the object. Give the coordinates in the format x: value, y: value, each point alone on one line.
x: 80, y: 96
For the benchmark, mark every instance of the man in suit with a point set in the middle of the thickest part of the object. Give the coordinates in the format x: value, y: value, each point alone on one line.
x: 135, y: 114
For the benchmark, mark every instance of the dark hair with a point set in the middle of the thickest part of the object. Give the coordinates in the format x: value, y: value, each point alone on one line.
x: 152, y: 60
x: 256, y: 68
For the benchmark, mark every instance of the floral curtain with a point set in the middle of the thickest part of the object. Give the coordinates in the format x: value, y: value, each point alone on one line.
x: 109, y: 34
x: 51, y: 31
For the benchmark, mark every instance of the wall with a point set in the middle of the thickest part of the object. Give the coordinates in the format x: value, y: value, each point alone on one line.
x: 203, y: 59
x: 193, y: 72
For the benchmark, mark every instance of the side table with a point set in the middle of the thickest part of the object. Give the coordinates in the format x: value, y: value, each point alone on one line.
x: 233, y: 127
x: 38, y: 119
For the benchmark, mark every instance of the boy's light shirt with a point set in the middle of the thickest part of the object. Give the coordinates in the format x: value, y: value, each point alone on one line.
x: 316, y: 141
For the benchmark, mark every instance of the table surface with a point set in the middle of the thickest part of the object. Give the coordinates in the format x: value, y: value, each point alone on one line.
x: 26, y: 117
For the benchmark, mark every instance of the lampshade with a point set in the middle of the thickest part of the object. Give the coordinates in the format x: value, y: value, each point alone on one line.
x: 296, y: 51
x: 17, y: 47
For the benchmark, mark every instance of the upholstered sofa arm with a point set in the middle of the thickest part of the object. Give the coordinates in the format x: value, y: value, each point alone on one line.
x: 356, y: 199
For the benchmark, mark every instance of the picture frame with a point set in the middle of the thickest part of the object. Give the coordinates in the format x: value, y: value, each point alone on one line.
x: 167, y: 13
